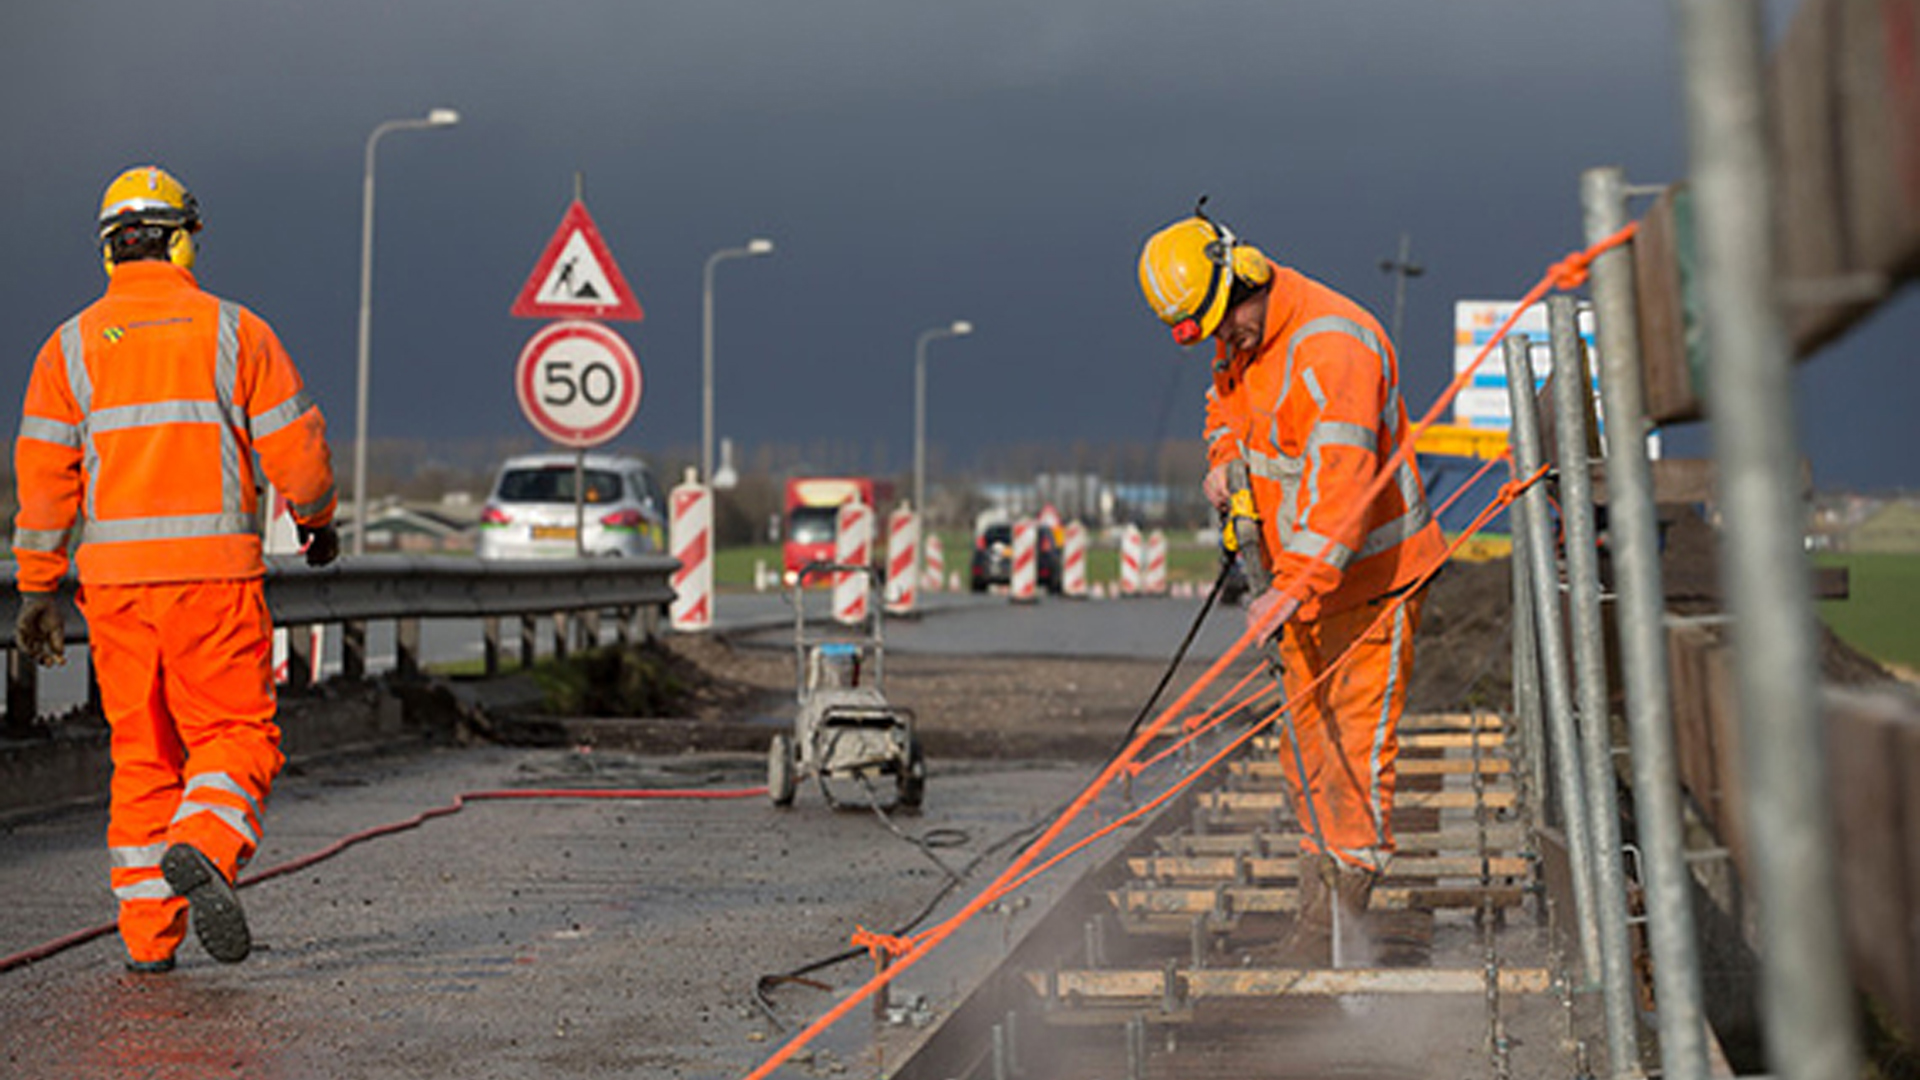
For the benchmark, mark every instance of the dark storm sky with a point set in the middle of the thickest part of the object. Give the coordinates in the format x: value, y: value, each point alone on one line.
x: 914, y: 162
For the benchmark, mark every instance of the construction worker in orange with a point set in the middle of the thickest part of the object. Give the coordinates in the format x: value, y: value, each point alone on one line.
x: 1305, y: 406
x: 144, y: 417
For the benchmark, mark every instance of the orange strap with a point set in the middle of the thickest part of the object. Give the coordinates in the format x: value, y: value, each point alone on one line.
x: 1566, y: 274
x: 876, y: 944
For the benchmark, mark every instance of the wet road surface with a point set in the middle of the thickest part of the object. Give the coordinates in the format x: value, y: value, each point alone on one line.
x: 562, y: 938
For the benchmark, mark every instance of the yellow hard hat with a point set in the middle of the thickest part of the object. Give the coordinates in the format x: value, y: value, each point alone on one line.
x: 150, y: 195
x: 1187, y: 271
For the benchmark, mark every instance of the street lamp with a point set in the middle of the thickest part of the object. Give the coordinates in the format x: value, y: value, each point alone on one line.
x: 755, y: 247
x: 434, y: 118
x: 960, y: 328
x: 1401, y: 268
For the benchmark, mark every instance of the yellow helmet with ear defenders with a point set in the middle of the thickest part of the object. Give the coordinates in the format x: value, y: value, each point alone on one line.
x: 1187, y: 272
x: 150, y: 195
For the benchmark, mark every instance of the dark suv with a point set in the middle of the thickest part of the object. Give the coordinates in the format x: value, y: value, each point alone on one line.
x: 993, y: 558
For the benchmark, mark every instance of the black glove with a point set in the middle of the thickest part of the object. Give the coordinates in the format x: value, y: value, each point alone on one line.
x: 41, y: 631
x: 321, y: 544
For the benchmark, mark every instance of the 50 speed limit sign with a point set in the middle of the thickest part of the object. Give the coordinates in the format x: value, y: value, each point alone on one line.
x: 578, y: 383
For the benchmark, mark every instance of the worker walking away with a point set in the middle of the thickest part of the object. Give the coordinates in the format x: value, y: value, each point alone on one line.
x: 144, y: 417
x: 1306, y: 394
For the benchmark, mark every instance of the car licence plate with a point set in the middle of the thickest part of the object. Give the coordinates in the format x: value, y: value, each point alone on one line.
x: 553, y: 532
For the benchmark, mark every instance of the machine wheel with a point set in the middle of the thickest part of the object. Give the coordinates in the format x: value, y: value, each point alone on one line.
x: 912, y: 782
x: 780, y: 771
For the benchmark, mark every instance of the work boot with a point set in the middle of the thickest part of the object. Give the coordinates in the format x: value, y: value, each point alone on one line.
x: 1352, y: 890
x: 217, y: 919
x: 1310, y: 943
x: 151, y: 967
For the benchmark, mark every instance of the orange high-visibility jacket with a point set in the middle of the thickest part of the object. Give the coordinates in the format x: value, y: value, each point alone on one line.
x: 142, y: 421
x: 1316, y: 412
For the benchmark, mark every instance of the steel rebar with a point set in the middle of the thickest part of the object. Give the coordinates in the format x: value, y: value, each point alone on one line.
x: 1633, y: 538
x: 1556, y: 683
x: 1807, y: 1001
x: 1572, y: 401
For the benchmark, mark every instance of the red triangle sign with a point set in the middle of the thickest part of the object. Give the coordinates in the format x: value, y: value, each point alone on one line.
x: 576, y: 277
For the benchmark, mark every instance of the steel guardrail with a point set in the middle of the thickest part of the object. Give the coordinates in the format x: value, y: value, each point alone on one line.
x: 368, y: 588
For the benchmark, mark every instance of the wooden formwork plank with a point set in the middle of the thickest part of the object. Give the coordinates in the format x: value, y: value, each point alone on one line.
x: 1873, y: 848
x: 1273, y: 770
x: 1267, y: 801
x: 1093, y: 986
x: 1419, y: 740
x: 1498, y: 838
x: 1883, y: 220
x: 1452, y: 722
x: 1668, y: 335
x: 1263, y: 900
x: 1907, y: 758
x: 1813, y: 229
x: 1271, y: 868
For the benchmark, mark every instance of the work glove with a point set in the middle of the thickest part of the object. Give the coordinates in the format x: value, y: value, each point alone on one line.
x: 1271, y: 609
x: 41, y: 631
x: 321, y: 543
x: 1214, y: 487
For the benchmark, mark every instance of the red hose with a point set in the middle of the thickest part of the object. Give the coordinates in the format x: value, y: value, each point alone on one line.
x: 81, y: 937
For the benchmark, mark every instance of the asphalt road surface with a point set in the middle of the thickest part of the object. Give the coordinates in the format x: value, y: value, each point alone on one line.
x: 560, y: 937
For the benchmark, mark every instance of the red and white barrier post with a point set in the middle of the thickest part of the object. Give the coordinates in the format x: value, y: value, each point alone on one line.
x: 1154, y: 577
x: 1026, y: 561
x: 1132, y: 559
x: 852, y: 546
x: 903, y: 537
x: 935, y: 576
x: 1073, y: 560
x: 690, y: 539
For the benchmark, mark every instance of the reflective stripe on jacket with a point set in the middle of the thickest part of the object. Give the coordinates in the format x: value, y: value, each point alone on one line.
x: 143, y: 418
x: 1315, y: 412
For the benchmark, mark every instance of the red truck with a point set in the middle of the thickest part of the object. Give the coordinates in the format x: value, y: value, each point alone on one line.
x: 812, y: 507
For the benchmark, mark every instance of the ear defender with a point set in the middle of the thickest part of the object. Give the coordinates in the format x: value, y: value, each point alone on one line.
x: 1250, y: 265
x: 180, y: 249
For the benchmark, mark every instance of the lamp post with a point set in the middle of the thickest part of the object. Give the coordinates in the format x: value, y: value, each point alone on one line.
x: 959, y: 328
x: 755, y: 247
x: 1401, y: 268
x: 434, y: 118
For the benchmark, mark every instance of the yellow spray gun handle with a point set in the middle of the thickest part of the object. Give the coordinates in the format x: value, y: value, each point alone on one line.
x: 1242, y: 531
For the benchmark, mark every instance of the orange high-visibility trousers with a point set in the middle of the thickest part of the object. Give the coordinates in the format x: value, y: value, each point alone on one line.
x: 186, y: 679
x: 1348, y: 727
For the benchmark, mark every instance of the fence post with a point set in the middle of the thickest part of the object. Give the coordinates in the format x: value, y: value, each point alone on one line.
x: 1807, y: 1000
x: 1633, y: 537
x: 1572, y: 405
x: 23, y: 693
x: 1526, y: 672
x: 299, y: 657
x: 406, y: 648
x: 353, y: 649
x: 1544, y: 577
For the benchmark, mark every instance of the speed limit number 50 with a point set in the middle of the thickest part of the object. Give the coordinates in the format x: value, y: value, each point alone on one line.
x: 578, y: 383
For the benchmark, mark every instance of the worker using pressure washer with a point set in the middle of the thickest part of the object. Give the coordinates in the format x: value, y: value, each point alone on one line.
x: 1304, y: 413
x: 144, y: 416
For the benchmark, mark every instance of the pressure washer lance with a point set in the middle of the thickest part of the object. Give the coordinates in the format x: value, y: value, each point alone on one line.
x: 1240, y: 536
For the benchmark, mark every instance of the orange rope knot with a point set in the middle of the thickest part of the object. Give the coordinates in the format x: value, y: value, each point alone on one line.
x: 1135, y: 767
x: 880, y: 943
x: 1512, y: 489
x: 1571, y: 272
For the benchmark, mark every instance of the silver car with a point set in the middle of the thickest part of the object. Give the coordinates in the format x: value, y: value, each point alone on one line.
x: 532, y: 513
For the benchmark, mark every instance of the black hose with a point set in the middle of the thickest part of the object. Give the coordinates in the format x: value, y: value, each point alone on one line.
x: 767, y: 982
